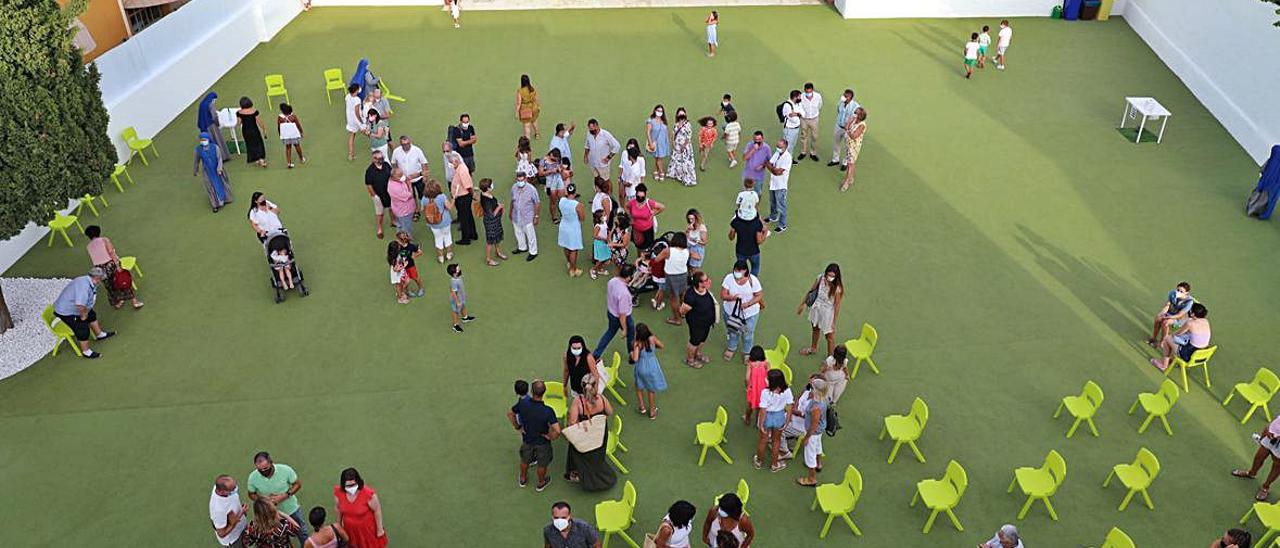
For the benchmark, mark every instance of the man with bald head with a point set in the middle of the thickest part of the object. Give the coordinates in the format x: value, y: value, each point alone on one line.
x: 537, y: 425
x: 227, y: 512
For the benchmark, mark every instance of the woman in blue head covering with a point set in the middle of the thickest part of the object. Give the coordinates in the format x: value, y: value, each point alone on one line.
x: 364, y: 78
x: 1269, y: 182
x: 207, y: 121
x: 216, y: 182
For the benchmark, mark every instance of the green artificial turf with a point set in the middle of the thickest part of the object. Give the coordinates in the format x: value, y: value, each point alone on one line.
x: 1004, y: 238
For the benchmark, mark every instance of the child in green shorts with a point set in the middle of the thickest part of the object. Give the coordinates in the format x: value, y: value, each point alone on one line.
x: 970, y: 54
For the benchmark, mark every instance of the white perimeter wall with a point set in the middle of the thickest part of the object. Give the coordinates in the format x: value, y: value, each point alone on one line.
x: 881, y: 9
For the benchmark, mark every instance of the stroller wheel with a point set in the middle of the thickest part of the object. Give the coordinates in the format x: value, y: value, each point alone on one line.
x: 279, y: 296
x: 303, y: 290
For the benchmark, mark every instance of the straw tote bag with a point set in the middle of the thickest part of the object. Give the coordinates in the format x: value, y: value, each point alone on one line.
x: 587, y: 435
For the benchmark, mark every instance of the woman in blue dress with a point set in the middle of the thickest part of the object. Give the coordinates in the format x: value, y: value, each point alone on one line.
x: 659, y: 141
x: 207, y: 121
x: 216, y: 182
x: 649, y: 377
x: 570, y: 237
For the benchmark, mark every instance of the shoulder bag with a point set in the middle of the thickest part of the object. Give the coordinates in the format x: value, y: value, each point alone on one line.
x: 736, y: 321
x: 586, y: 435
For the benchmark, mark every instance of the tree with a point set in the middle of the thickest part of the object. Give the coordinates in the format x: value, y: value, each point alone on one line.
x: 1275, y: 3
x: 53, y: 126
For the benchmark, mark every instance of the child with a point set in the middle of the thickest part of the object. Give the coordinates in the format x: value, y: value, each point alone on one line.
x: 456, y: 12
x: 600, y: 251
x: 747, y: 200
x: 732, y: 129
x: 970, y: 54
x: 657, y: 269
x: 642, y: 280
x: 696, y: 234
x: 524, y: 158
x: 835, y: 370
x: 1002, y: 42
x: 457, y: 297
x: 648, y: 373
x: 775, y: 405
x: 706, y: 138
x: 284, y: 270
x: 984, y: 42
x: 408, y: 252
x: 398, y: 278
x: 757, y: 368
x: 726, y: 107
x: 522, y: 395
x: 290, y: 129
x: 550, y: 172
x: 491, y: 211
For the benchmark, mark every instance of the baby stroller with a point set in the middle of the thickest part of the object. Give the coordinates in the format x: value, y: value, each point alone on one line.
x: 277, y: 241
x: 642, y: 281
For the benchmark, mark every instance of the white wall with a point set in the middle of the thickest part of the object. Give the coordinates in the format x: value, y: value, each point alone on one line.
x: 1225, y: 51
x: 881, y: 9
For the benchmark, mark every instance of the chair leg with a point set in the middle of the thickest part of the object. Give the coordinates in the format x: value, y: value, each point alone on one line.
x: 129, y: 177
x: 65, y: 237
x: 872, y: 363
x: 616, y: 396
x: 1207, y: 384
x: 1266, y: 409
x: 155, y: 150
x: 1134, y: 407
x: 883, y: 430
x: 703, y: 456
x: 1263, y: 541
x: 622, y: 534
x: 916, y: 450
x: 116, y: 180
x: 1252, y: 408
x: 1147, y: 500
x: 894, y: 453
x: 929, y: 524
x: 137, y: 269
x: 852, y: 525
x: 954, y: 520
x: 1245, y: 519
x: 143, y: 156
x: 812, y: 507
x: 854, y: 374
x: 724, y: 455
x: 1027, y: 506
x: 328, y: 96
x: 1125, y: 503
x: 1186, y: 387
x: 1015, y: 480
x: 916, y: 497
x: 1165, y: 422
x: 1049, y: 506
x: 621, y: 382
x: 623, y: 447
x: 1107, y: 481
x: 1071, y: 431
x: 60, y: 340
x: 618, y: 464
x: 826, y: 526
x: 52, y: 235
x: 607, y: 534
x: 1093, y: 429
x: 1145, y: 423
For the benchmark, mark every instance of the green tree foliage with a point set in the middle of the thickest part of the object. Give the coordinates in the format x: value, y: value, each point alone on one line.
x: 53, y: 126
x: 1275, y: 3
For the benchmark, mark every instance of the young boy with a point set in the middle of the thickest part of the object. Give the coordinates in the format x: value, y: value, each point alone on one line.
x: 726, y: 106
x: 747, y: 200
x: 457, y: 297
x: 970, y: 54
x: 984, y: 42
x: 408, y: 252
x: 522, y: 395
x: 1002, y: 43
x: 732, y: 132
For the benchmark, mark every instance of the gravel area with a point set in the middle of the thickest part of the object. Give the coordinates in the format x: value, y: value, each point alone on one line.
x: 29, y: 340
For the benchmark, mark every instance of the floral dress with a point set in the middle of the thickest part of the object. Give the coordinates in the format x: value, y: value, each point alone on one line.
x: 681, y: 168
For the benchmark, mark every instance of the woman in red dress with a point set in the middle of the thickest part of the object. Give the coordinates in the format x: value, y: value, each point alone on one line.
x: 359, y: 511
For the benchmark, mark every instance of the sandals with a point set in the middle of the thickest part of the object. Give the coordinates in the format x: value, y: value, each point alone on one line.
x: 642, y: 410
x: 694, y: 364
x: 137, y: 305
x: 803, y: 483
x: 807, y: 351
x: 653, y: 413
x: 1262, y: 494
x: 755, y: 461
x: 728, y: 355
x: 1159, y: 364
x: 781, y: 465
x: 1242, y: 474
x: 674, y: 321
x: 492, y: 262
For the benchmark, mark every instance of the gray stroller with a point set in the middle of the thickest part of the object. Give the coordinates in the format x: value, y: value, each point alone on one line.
x: 276, y: 241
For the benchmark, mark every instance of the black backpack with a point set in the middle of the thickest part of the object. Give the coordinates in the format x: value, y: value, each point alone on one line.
x: 781, y: 117
x: 833, y: 420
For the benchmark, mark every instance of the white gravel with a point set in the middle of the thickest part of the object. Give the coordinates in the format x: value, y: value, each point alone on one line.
x: 29, y: 340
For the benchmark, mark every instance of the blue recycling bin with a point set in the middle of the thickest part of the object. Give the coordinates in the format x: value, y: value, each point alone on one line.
x: 1071, y: 9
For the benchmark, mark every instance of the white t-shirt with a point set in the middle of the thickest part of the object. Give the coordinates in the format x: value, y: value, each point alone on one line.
x: 776, y: 401
x: 409, y: 162
x: 219, y: 506
x: 597, y: 201
x: 632, y: 173
x: 746, y: 202
x: 266, y: 220
x: 971, y: 50
x: 1006, y: 34
x: 984, y: 39
x: 744, y: 292
x: 354, y: 122
x: 677, y: 261
x: 780, y: 160
x: 789, y: 121
x: 797, y: 422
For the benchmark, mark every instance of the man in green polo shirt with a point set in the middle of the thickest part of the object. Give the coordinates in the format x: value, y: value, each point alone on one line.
x: 279, y: 484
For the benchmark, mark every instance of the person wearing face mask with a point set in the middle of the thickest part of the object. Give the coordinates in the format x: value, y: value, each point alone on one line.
x: 359, y: 511
x: 643, y: 212
x: 810, y: 110
x: 578, y: 363
x: 252, y: 130
x: 658, y: 143
x: 827, y: 293
x: 854, y: 132
x: 619, y: 308
x: 1173, y: 314
x: 754, y: 158
x: 742, y: 295
x: 726, y: 516
x: 747, y: 233
x: 264, y: 216
x: 378, y: 132
x: 791, y: 116
x: 462, y: 189
x: 279, y: 485
x: 698, y: 307
x: 631, y: 172
x: 524, y: 215
x: 537, y: 424
x: 376, y: 178
x: 463, y: 139
x: 216, y: 183
x: 844, y: 111
x: 600, y: 149
x: 566, y: 531
x: 414, y: 163
x: 682, y: 168
x: 779, y: 168
x: 227, y: 512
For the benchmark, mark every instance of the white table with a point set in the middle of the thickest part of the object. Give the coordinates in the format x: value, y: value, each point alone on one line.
x: 227, y: 120
x: 1148, y: 108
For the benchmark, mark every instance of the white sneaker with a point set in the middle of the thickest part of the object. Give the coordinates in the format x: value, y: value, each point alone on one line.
x: 733, y: 163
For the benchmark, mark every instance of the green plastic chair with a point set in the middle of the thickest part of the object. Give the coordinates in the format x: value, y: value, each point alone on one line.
x: 744, y: 493
x: 1257, y: 392
x: 615, y: 431
x: 943, y: 495
x: 613, y: 442
x: 555, y: 398
x: 1199, y: 358
x: 778, y: 354
x: 275, y: 88
x: 1040, y: 483
x: 861, y: 349
x: 59, y: 226
x: 386, y: 91
x: 1137, y: 477
x: 1157, y: 405
x: 615, y: 379
x: 1269, y: 515
x: 784, y: 368
x: 616, y: 516
x: 137, y: 145
x: 87, y: 200
x: 1082, y: 407
x: 333, y: 80
x: 839, y: 499
x: 121, y: 169
x: 60, y: 330
x: 906, y: 429
x: 711, y: 434
x: 1118, y: 539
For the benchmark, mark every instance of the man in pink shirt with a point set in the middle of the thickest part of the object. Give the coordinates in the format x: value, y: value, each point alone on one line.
x: 1268, y: 445
x: 618, y: 300
x: 402, y: 204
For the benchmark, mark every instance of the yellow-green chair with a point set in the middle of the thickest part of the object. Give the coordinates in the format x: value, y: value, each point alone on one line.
x: 1157, y: 405
x: 906, y: 429
x: 1269, y: 515
x: 555, y: 398
x: 1257, y: 392
x: 784, y: 368
x: 616, y: 516
x: 744, y: 493
x: 614, y: 379
x: 1118, y: 539
x: 778, y: 354
x: 131, y: 264
x: 1137, y: 477
x: 386, y: 91
x: 613, y: 442
x: 861, y: 349
x: 121, y: 169
x: 1082, y: 407
x: 711, y: 434
x: 137, y: 145
x: 839, y: 499
x: 1040, y: 483
x: 615, y: 431
x: 87, y: 200
x: 60, y: 224
x: 60, y: 330
x: 275, y: 88
x: 333, y: 80
x: 943, y: 495
x: 1199, y: 358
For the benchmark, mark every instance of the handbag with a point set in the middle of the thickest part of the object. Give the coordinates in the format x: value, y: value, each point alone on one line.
x: 812, y: 296
x: 526, y: 113
x: 587, y: 435
x: 121, y: 280
x: 735, y: 322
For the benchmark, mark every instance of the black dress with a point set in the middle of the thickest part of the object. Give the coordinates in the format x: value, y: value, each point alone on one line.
x: 492, y: 221
x: 593, y: 468
x: 255, y: 146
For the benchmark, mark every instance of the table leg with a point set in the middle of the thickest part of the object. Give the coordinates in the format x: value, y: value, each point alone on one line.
x: 1141, y: 125
x: 1125, y: 115
x: 1161, y: 135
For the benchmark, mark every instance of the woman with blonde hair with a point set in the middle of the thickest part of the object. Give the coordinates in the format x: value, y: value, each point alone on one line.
x: 270, y: 527
x: 591, y: 470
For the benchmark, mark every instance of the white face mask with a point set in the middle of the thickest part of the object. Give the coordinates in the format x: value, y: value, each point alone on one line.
x: 724, y: 103
x: 1181, y: 295
x: 465, y: 125
x: 204, y: 143
x: 809, y: 94
x: 351, y: 490
x: 722, y: 513
x: 831, y: 277
x: 657, y: 112
x: 739, y: 275
x: 520, y: 184
x: 560, y: 523
x: 575, y: 351
x: 780, y: 149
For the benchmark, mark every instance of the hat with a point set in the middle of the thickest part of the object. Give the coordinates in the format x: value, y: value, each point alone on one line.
x: 98, y: 273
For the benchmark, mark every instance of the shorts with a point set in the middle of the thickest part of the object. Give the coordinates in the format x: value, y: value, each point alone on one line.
x: 78, y: 326
x: 382, y: 149
x: 541, y: 453
x: 378, y: 206
x: 662, y: 283
x: 678, y: 283
x: 601, y: 172
x: 731, y: 144
x: 1000, y: 50
x: 1185, y: 351
x: 774, y: 420
x: 970, y: 62
x: 554, y: 183
x: 411, y: 272
x: 443, y: 237
x: 291, y: 142
x: 405, y: 224
x: 982, y: 50
x: 698, y: 334
x: 812, y: 449
x: 456, y: 306
x: 354, y: 129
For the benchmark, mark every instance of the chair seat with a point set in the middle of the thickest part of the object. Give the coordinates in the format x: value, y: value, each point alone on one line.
x: 1154, y: 403
x: 1268, y: 514
x: 709, y: 433
x: 139, y: 143
x: 128, y: 263
x: 611, y: 515
x: 774, y: 357
x: 558, y: 405
x: 1034, y: 481
x: 1131, y: 476
x: 118, y: 170
x: 858, y: 348
x: 1251, y: 393
x: 1079, y: 407
x: 62, y: 221
x: 902, y: 428
x: 937, y: 493
x: 835, y: 498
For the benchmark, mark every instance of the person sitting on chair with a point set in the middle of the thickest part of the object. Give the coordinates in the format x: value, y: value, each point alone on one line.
x: 1194, y: 335
x: 1172, y: 314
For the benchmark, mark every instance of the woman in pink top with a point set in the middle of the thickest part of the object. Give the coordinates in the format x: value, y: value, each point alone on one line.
x: 402, y: 204
x: 1193, y: 336
x: 756, y: 381
x: 103, y: 255
x: 642, y: 211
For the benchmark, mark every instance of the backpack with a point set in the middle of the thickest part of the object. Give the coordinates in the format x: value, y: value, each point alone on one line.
x: 432, y: 213
x: 122, y: 280
x: 781, y: 117
x: 833, y: 420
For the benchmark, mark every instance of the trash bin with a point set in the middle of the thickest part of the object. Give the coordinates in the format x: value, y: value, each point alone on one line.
x: 1071, y: 10
x: 1104, y: 12
x: 1089, y: 10
x: 1056, y: 12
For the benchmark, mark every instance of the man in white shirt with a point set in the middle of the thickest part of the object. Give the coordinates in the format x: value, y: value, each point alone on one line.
x: 844, y: 111
x: 413, y: 163
x: 779, y: 168
x: 227, y: 512
x: 791, y: 115
x: 810, y: 109
x: 1002, y: 43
